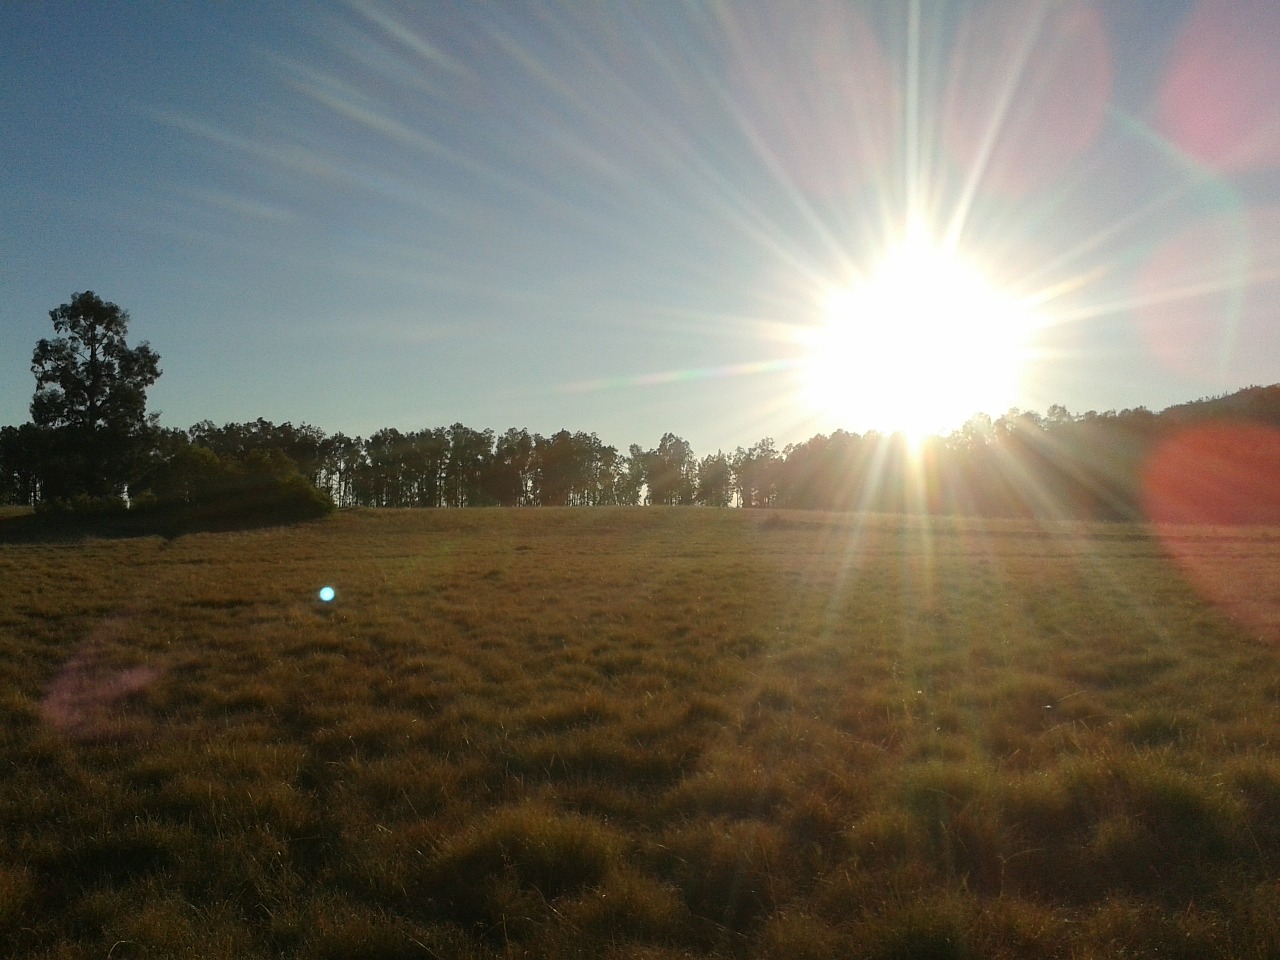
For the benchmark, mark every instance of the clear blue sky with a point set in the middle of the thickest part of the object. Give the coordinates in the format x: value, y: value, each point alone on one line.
x: 615, y: 217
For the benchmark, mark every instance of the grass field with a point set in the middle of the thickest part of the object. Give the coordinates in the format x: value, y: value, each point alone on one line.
x: 642, y: 733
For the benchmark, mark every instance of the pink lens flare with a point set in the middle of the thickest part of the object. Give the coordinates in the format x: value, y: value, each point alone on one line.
x: 1218, y: 99
x: 1212, y: 492
x: 1204, y: 300
x: 85, y: 690
x: 1187, y: 296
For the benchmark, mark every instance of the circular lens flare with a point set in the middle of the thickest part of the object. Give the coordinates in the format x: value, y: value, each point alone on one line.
x: 1212, y: 493
x: 1217, y: 101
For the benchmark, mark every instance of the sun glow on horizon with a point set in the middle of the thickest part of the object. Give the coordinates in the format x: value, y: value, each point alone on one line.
x: 918, y: 344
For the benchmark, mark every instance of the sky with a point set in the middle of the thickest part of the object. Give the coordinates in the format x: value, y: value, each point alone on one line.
x: 632, y: 219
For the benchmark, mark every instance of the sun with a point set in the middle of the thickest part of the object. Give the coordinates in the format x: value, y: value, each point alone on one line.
x: 919, y: 343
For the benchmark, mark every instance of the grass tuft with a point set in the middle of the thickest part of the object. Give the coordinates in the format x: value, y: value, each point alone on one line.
x: 504, y: 871
x: 731, y: 874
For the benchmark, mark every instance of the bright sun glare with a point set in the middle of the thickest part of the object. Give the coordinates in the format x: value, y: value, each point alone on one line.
x: 919, y: 343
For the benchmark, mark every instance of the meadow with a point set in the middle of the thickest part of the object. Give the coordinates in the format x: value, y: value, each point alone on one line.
x: 648, y: 733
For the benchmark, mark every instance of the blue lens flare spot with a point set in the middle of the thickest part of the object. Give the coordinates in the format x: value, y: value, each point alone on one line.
x: 327, y: 594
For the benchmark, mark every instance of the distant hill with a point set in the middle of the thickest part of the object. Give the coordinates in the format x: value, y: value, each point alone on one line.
x: 1261, y: 404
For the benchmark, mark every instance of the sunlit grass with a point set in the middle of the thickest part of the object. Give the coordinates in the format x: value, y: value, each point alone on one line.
x: 634, y: 733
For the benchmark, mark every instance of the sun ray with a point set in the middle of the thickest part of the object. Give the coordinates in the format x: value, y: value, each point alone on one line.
x: 978, y: 167
x: 664, y: 377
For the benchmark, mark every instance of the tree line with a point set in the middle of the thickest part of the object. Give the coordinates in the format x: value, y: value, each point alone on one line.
x: 91, y: 441
x: 1022, y: 464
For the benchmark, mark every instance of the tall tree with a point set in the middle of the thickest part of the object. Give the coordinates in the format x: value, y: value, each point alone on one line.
x: 715, y: 480
x: 340, y: 458
x: 755, y: 474
x: 386, y: 480
x: 510, y: 478
x: 20, y: 462
x: 557, y: 468
x: 464, y: 470
x: 671, y: 471
x: 632, y: 473
x: 91, y: 398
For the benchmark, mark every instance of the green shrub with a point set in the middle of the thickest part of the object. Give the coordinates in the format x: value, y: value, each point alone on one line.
x: 197, y: 489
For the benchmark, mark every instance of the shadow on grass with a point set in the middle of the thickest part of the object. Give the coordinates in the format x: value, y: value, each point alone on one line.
x: 72, y: 528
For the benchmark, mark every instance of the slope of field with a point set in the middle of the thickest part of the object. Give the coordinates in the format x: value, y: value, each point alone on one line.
x: 648, y: 733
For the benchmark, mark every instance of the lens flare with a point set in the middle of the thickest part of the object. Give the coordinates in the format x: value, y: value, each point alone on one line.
x: 327, y: 594
x: 1207, y: 490
x: 1203, y: 299
x: 1218, y: 100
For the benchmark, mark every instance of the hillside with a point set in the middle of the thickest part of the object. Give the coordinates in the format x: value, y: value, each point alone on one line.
x: 1256, y: 403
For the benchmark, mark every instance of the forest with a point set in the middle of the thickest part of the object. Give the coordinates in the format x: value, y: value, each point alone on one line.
x: 1023, y: 464
x: 91, y: 446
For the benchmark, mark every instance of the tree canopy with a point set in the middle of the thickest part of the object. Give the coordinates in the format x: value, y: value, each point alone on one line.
x: 88, y: 376
x: 91, y: 398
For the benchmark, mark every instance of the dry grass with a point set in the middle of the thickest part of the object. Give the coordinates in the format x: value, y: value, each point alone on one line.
x: 641, y: 733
